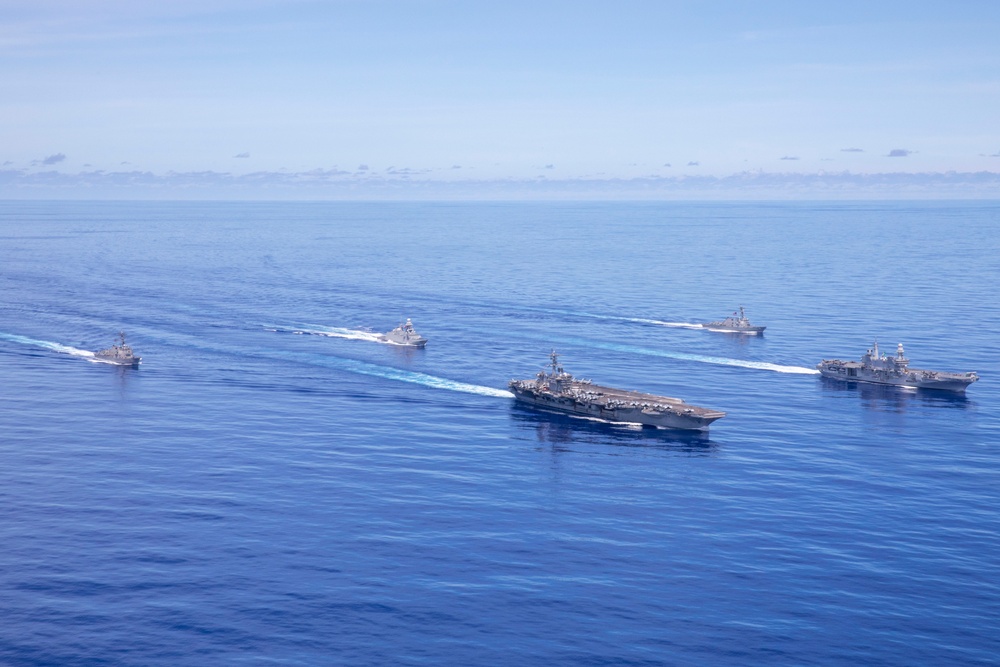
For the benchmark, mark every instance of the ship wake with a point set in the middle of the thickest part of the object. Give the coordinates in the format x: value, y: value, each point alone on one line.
x: 48, y: 345
x: 413, y: 377
x: 679, y: 325
x: 386, y: 372
x: 329, y: 332
x: 721, y: 361
x: 616, y: 318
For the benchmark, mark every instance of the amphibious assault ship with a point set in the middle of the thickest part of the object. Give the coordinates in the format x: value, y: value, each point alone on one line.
x: 404, y: 335
x: 558, y: 390
x: 883, y: 369
x: 119, y: 354
x: 735, y: 323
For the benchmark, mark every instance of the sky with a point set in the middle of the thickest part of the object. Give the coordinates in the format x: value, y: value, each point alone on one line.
x: 216, y: 92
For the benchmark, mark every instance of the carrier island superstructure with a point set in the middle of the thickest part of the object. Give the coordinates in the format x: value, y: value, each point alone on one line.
x: 558, y: 390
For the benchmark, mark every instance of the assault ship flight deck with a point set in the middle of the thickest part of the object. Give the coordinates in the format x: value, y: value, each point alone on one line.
x: 883, y: 369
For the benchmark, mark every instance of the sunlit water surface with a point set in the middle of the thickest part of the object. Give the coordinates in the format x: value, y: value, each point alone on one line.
x: 275, y: 486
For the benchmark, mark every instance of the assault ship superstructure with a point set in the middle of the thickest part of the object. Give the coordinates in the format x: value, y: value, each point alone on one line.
x: 560, y: 391
x: 735, y: 323
x: 883, y: 369
x: 404, y: 335
x: 120, y: 353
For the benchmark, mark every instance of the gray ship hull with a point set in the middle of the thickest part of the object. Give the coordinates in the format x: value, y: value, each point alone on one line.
x: 736, y: 323
x: 876, y: 368
x: 648, y: 412
x: 401, y: 340
x: 916, y: 379
x: 404, y: 335
x: 119, y: 362
x: 119, y: 354
x: 752, y: 331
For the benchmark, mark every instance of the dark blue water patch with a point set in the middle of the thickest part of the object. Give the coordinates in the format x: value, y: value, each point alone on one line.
x: 246, y: 496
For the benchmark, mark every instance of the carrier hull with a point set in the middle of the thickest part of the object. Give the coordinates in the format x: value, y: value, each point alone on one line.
x: 665, y: 420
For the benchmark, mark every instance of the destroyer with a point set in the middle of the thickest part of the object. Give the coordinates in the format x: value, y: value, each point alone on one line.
x: 404, y: 335
x: 119, y: 354
x: 735, y: 323
x: 558, y: 390
x: 882, y: 369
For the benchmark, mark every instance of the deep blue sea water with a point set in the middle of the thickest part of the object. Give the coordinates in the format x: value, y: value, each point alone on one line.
x: 252, y: 495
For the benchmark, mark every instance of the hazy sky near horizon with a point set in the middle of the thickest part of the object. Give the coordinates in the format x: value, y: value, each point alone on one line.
x: 479, y: 90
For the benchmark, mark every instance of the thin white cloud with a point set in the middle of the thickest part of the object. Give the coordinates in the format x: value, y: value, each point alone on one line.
x: 242, y: 155
x: 406, y: 171
x: 899, y: 152
x: 335, y: 184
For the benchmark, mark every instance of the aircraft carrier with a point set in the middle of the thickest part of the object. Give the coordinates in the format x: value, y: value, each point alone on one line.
x: 558, y: 390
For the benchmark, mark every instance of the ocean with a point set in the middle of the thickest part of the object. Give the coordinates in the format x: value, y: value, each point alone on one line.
x: 273, y: 486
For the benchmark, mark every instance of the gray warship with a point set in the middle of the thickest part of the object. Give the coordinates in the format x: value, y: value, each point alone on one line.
x: 735, y: 323
x: 883, y: 369
x: 558, y: 390
x: 404, y: 335
x: 120, y: 353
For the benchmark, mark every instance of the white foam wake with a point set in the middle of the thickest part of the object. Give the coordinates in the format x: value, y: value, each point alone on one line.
x: 341, y: 332
x: 420, y: 378
x: 681, y: 325
x: 47, y: 344
x: 722, y: 361
x: 387, y: 372
x: 618, y: 318
x: 331, y: 332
